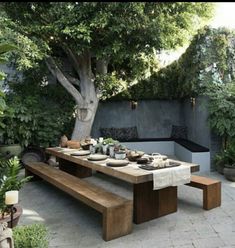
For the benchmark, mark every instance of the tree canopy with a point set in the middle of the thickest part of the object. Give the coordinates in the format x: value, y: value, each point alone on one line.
x: 114, y: 31
x: 102, y: 42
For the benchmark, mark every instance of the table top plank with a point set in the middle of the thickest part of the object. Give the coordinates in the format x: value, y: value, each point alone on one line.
x: 130, y: 173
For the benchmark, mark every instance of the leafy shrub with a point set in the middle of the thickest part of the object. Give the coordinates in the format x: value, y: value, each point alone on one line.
x: 9, y: 179
x: 222, y: 111
x: 31, y: 236
x: 38, y: 113
x: 227, y: 156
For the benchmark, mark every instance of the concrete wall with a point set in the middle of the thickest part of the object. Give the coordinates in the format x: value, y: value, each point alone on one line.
x: 153, y: 119
x: 195, y: 119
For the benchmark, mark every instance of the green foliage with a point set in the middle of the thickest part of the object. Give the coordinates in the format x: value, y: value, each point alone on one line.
x: 9, y: 179
x: 108, y: 85
x: 208, y: 60
x: 227, y: 156
x: 4, y: 49
x: 124, y: 34
x: 37, y: 113
x: 222, y: 110
x: 31, y: 236
x: 163, y: 84
x: 109, y: 141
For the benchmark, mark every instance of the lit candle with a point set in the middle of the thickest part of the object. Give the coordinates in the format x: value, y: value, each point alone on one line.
x: 11, y: 197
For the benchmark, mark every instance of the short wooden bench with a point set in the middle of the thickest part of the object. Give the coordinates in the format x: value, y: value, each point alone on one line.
x: 211, y: 190
x: 117, y: 211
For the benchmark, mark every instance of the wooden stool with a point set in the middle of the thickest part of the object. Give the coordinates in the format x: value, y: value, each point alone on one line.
x: 211, y: 190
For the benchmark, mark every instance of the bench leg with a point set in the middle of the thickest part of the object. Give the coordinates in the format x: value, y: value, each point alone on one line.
x: 212, y: 196
x: 29, y: 173
x: 74, y: 169
x: 150, y: 204
x: 117, y: 221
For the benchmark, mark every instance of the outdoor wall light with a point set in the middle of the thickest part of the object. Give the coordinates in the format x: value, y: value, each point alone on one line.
x: 193, y: 101
x: 134, y: 104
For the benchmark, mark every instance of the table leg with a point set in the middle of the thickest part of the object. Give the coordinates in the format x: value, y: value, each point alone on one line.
x: 150, y: 204
x: 74, y: 169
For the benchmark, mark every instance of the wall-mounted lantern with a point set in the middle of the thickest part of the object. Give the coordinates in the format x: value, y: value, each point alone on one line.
x: 134, y: 104
x: 193, y: 101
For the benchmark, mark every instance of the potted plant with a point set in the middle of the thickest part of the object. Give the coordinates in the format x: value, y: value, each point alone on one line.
x: 108, y: 146
x: 225, y: 162
x: 120, y: 151
x: 10, y: 180
x: 220, y: 160
x: 229, y: 167
x: 229, y: 172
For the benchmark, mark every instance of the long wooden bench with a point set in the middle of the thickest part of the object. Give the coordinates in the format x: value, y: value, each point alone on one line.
x: 117, y: 211
x: 211, y: 190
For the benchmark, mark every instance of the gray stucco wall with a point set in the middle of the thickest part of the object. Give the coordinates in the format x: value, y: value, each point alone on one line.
x: 196, y: 120
x: 153, y: 119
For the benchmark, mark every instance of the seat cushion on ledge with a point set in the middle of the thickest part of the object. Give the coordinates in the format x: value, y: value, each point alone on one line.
x: 190, y: 145
x: 123, y: 133
x: 179, y: 132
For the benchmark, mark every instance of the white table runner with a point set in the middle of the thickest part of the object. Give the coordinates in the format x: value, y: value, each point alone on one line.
x: 174, y: 176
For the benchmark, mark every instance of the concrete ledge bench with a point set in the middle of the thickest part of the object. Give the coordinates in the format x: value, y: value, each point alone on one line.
x: 117, y: 211
x: 211, y: 190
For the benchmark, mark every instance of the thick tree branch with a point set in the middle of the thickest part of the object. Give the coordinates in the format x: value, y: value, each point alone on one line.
x: 72, y: 80
x: 82, y: 65
x: 54, y: 69
x: 73, y: 58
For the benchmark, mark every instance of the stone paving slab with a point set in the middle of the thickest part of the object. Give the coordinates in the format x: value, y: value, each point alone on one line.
x: 72, y: 224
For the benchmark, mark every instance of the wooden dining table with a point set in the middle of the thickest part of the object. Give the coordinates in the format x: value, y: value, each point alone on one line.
x: 148, y: 203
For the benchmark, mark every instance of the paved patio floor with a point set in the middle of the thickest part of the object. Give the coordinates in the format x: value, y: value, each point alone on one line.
x: 72, y: 224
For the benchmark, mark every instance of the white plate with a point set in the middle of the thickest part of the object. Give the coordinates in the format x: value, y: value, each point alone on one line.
x: 117, y: 163
x: 80, y: 153
x: 97, y: 157
x: 68, y: 150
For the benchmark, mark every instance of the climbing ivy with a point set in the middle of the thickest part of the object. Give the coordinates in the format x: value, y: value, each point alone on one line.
x: 208, y: 60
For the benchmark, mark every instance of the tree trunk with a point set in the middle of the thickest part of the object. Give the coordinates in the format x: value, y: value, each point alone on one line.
x: 86, y: 100
x: 85, y: 112
x: 84, y: 121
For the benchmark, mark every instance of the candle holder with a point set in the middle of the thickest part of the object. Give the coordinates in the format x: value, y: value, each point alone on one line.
x: 12, y: 212
x: 11, y: 198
